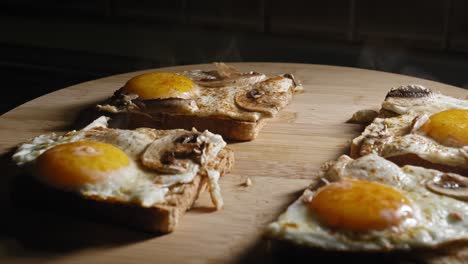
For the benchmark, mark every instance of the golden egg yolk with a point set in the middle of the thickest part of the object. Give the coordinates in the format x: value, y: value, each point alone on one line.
x: 159, y: 85
x: 449, y: 127
x: 74, y: 164
x: 358, y: 205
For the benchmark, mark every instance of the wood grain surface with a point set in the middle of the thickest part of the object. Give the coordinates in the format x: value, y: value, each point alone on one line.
x: 280, y: 163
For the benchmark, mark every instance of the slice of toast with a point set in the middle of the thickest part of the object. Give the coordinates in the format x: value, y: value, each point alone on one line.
x: 160, y: 218
x: 168, y: 170
x: 397, y: 132
x: 224, y: 101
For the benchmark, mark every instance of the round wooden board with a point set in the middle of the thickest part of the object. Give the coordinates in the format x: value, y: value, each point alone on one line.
x: 280, y: 163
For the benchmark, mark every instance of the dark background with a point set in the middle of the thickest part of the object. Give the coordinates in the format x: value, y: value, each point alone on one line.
x: 49, y: 44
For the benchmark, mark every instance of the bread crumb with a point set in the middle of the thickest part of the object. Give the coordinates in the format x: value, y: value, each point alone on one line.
x: 247, y: 183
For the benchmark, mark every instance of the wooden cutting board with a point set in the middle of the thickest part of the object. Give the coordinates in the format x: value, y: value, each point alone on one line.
x: 280, y: 163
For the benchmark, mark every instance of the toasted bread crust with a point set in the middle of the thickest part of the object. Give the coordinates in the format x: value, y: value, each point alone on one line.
x: 228, y: 128
x: 161, y: 218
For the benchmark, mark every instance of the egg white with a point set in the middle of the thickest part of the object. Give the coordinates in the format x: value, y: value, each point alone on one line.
x: 220, y: 101
x: 397, y: 136
x: 431, y: 225
x: 132, y: 184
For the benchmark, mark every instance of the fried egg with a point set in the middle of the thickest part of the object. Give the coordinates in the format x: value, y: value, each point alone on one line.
x: 224, y: 92
x: 371, y: 204
x: 434, y: 128
x: 448, y: 127
x: 119, y: 165
x: 160, y: 85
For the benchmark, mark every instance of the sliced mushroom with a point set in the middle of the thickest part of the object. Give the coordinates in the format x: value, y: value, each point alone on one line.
x: 257, y: 100
x: 409, y: 91
x: 450, y: 184
x: 174, y: 153
x: 401, y: 99
x: 121, y: 102
x: 226, y: 71
x: 224, y: 75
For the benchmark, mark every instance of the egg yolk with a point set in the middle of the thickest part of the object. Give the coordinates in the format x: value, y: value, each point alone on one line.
x: 358, y: 205
x: 74, y: 164
x: 449, y: 127
x: 158, y: 85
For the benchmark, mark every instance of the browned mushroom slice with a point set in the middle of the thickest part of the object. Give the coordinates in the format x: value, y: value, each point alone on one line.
x: 223, y: 76
x: 399, y: 100
x: 450, y: 184
x: 257, y: 100
x: 120, y: 102
x: 226, y: 71
x: 174, y: 153
x: 409, y: 91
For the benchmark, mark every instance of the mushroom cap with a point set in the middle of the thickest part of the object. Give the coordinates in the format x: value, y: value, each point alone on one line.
x: 450, y: 184
x: 266, y: 97
x: 224, y: 76
x: 174, y: 153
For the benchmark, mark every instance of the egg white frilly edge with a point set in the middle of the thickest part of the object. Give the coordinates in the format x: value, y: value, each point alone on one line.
x: 135, y: 184
x: 439, y: 219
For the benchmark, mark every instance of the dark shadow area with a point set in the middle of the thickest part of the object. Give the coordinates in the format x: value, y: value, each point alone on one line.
x: 203, y: 209
x: 39, y: 221
x: 260, y: 251
x: 268, y: 250
x: 86, y: 115
x: 29, y: 232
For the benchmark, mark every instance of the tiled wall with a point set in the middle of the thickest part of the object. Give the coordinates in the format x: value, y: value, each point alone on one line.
x: 58, y: 43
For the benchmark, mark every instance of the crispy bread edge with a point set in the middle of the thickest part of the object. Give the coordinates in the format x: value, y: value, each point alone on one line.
x: 228, y: 128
